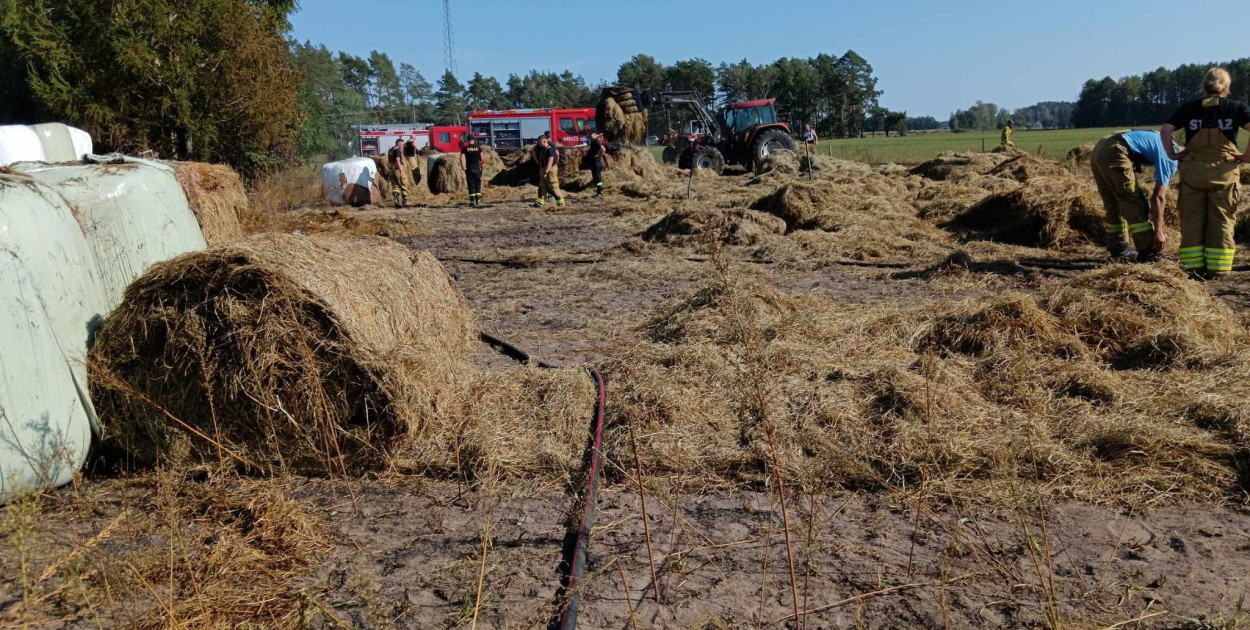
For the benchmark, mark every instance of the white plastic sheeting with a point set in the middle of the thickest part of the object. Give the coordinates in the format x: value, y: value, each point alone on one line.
x: 132, y: 211
x: 82, y: 142
x: 58, y: 146
x: 350, y: 182
x: 50, y: 302
x: 19, y: 143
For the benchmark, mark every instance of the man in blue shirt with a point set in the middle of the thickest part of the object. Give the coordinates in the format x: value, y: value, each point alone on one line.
x: 1116, y: 160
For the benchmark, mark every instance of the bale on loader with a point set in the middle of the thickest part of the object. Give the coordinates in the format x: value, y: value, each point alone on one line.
x: 446, y: 175
x: 217, y: 198
x: 618, y: 117
x: 279, y: 352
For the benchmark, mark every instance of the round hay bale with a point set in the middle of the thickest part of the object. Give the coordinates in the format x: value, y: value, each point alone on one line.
x: 693, y: 226
x: 1044, y: 212
x: 217, y: 197
x: 491, y: 162
x: 306, y: 354
x: 446, y: 176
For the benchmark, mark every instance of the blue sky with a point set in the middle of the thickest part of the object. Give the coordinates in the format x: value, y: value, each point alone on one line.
x: 930, y: 57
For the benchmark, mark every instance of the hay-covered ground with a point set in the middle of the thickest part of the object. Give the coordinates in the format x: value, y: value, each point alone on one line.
x: 975, y: 426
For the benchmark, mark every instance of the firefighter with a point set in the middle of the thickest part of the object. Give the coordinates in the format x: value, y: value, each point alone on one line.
x: 1210, y: 188
x: 596, y: 154
x: 1005, y: 141
x: 471, y: 162
x: 1115, y: 161
x: 395, y: 158
x: 548, y: 160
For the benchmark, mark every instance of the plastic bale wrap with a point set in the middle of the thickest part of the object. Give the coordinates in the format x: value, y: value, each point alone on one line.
x: 315, y: 355
x: 133, y: 213
x: 50, y: 302
x: 217, y: 197
x: 58, y: 145
x: 19, y: 143
x: 351, y: 182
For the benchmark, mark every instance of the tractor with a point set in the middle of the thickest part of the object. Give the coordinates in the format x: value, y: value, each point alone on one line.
x: 744, y: 135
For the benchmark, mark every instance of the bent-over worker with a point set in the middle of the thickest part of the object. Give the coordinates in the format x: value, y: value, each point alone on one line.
x: 1210, y: 182
x: 1115, y: 162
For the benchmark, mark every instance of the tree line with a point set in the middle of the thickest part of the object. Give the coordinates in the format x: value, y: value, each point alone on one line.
x: 987, y: 116
x: 1149, y: 98
x: 219, y: 81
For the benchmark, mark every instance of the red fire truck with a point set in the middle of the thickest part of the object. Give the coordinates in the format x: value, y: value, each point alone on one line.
x: 515, y: 129
x: 378, y: 139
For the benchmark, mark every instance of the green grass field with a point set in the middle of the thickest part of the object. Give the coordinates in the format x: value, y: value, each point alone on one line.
x: 916, y: 147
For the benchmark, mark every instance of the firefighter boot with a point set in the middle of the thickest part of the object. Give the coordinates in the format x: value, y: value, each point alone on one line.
x: 396, y: 198
x: 1119, y: 249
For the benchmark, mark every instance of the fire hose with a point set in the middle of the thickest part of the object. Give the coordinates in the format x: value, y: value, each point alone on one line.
x: 576, y: 539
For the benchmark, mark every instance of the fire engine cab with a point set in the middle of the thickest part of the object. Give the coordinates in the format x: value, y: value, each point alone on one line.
x: 514, y: 129
x: 378, y: 139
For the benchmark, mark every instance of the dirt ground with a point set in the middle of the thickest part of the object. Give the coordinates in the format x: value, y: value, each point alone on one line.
x: 566, y: 284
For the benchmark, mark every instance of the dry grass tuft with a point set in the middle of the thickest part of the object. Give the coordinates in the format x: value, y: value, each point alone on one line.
x: 283, y: 191
x: 306, y: 354
x: 168, y: 553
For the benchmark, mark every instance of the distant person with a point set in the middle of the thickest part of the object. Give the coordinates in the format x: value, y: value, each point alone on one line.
x: 395, y: 159
x: 471, y: 161
x: 596, y: 154
x: 809, y: 135
x: 1115, y: 161
x: 548, y: 160
x: 1209, y: 174
x: 1006, y: 141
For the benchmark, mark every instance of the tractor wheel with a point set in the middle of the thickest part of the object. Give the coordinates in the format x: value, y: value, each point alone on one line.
x: 709, y: 158
x: 669, y: 156
x: 768, y: 141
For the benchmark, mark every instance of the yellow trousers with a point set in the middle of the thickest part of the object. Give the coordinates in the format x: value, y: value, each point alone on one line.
x: 1209, y: 193
x: 1125, y: 203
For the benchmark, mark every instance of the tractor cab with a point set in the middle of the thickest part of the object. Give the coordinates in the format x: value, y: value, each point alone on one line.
x: 744, y: 117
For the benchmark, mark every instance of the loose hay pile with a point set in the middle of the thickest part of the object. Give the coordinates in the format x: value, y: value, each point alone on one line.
x: 304, y: 354
x: 974, y: 398
x: 217, y: 198
x: 958, y: 166
x: 1025, y: 167
x: 706, y: 226
x: 446, y: 176
x: 1045, y: 212
x: 779, y: 162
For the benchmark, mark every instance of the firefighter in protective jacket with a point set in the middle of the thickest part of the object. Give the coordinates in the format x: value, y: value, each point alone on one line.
x: 1210, y: 183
